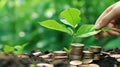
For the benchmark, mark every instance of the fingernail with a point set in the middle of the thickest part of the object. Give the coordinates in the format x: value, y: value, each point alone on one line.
x: 97, y: 26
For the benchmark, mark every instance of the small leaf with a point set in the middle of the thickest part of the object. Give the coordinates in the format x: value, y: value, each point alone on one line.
x: 71, y: 17
x: 67, y: 50
x: 52, y: 24
x: 18, y: 49
x: 106, y: 29
x: 86, y: 31
x: 8, y: 49
x: 89, y: 34
x: 65, y: 22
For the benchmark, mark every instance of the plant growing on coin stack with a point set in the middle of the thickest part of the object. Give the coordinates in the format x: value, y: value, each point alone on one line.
x: 70, y: 19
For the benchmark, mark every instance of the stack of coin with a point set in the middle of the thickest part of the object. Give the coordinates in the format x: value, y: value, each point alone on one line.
x: 47, y: 57
x: 97, y: 57
x: 87, y: 57
x: 96, y: 51
x: 76, y: 51
x: 60, y: 57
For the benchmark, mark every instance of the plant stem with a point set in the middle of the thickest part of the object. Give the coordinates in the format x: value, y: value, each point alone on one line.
x: 73, y: 36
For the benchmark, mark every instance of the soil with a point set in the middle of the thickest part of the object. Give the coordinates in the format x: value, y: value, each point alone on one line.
x: 35, y: 57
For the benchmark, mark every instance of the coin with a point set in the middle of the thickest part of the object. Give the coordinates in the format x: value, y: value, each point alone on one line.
x: 60, y: 53
x: 60, y: 57
x: 95, y: 49
x: 75, y: 57
x: 87, y: 61
x: 118, y: 59
x: 89, y: 65
x: 97, y: 57
x: 77, y: 45
x: 75, y: 62
x: 76, y: 52
x: 87, y: 55
x: 115, y: 55
x: 44, y: 65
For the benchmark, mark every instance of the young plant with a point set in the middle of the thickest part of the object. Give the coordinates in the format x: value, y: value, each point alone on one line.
x: 18, y: 49
x: 70, y: 19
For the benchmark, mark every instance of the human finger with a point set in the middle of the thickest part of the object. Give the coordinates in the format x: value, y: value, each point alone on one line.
x: 104, y: 13
x: 106, y: 19
x: 115, y: 29
x: 104, y: 34
x: 114, y: 33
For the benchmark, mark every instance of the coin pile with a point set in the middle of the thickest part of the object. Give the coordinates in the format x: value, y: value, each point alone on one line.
x: 76, y: 51
x: 60, y: 57
x: 82, y: 57
x: 77, y: 57
x: 96, y: 52
x: 87, y: 55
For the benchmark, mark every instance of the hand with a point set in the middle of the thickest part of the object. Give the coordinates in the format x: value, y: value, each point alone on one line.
x: 110, y: 18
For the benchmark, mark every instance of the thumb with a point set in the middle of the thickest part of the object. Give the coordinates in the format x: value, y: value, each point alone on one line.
x: 106, y: 19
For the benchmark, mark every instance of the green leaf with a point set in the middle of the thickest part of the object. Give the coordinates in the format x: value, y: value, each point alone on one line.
x: 19, y: 48
x: 8, y: 49
x: 67, y: 50
x: 71, y: 16
x: 52, y: 24
x: 105, y: 29
x: 86, y: 31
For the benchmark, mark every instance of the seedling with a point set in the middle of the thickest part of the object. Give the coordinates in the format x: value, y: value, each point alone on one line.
x: 16, y: 49
x: 70, y: 24
x: 70, y: 19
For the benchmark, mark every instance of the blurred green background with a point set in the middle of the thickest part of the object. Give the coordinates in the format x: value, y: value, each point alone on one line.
x: 19, y: 23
